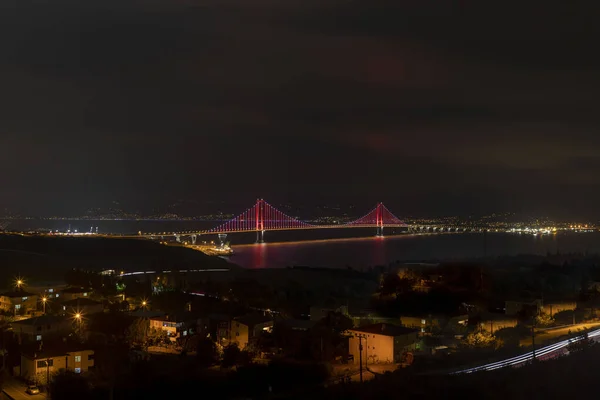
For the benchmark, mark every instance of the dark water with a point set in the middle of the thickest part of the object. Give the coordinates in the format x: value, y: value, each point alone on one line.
x: 371, y: 251
x: 341, y: 248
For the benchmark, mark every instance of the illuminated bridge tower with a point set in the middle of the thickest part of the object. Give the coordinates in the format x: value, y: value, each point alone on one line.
x: 259, y: 209
x: 379, y: 219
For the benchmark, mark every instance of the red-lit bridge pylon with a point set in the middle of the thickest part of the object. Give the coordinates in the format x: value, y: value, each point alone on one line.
x: 262, y: 217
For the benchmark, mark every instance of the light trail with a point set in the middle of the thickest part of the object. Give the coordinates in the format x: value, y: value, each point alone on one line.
x: 518, y: 360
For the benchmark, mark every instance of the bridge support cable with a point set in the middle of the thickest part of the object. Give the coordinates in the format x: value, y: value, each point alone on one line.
x: 379, y: 217
x: 260, y: 218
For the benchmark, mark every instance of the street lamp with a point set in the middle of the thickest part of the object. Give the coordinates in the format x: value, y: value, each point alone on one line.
x: 19, y: 282
x: 44, y: 301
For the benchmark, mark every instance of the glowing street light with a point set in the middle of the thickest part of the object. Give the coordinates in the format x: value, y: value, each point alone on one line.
x: 19, y: 282
x: 44, y: 301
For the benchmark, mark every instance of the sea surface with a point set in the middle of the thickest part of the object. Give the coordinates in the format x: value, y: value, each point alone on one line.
x: 340, y: 248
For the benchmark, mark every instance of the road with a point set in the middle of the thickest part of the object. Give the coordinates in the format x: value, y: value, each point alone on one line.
x: 547, y: 335
x: 543, y: 353
x: 16, y: 390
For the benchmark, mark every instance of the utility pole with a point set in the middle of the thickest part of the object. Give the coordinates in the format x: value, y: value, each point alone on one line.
x: 360, y: 348
x: 47, y: 378
x: 533, y: 338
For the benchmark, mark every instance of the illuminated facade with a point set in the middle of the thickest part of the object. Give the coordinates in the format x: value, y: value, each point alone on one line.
x: 382, y: 343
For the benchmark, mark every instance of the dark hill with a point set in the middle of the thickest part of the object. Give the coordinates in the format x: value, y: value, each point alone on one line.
x: 45, y: 257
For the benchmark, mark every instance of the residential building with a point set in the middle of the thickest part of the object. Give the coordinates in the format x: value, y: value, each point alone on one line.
x: 244, y: 330
x: 382, y: 343
x: 84, y: 306
x: 40, y: 328
x: 38, y: 366
x: 177, y: 325
x: 50, y: 290
x: 18, y: 302
x: 431, y: 323
x: 72, y: 293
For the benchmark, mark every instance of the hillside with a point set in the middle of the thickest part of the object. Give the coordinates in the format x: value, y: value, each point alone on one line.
x: 574, y: 376
x: 48, y: 257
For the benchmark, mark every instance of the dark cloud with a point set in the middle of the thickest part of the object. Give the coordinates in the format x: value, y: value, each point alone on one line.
x: 486, y: 106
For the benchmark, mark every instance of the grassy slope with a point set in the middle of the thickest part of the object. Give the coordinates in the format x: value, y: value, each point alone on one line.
x: 48, y: 257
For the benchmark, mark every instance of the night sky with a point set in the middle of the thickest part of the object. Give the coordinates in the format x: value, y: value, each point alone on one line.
x: 434, y: 107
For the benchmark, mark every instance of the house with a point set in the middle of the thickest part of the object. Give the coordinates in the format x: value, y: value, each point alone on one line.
x: 176, y: 325
x: 382, y: 343
x: 18, y: 302
x: 38, y: 366
x: 40, y: 328
x: 432, y: 323
x: 72, y: 293
x: 47, y: 289
x: 243, y: 330
x: 514, y: 307
x: 83, y: 305
x: 293, y: 337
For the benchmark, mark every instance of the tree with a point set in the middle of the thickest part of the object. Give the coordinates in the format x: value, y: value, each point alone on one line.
x: 3, y: 378
x: 68, y: 385
x: 544, y: 319
x: 206, y: 352
x: 138, y: 331
x: 481, y: 339
x: 157, y: 336
x: 231, y: 355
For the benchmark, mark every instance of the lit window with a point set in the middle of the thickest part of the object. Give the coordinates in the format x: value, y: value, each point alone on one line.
x: 77, y: 370
x: 24, y: 298
x: 57, y: 295
x: 50, y: 290
x: 423, y: 322
x: 38, y: 337
x: 77, y: 358
x: 85, y: 295
x: 17, y: 306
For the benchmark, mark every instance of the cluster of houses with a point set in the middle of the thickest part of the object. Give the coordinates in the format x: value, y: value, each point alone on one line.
x: 372, y: 339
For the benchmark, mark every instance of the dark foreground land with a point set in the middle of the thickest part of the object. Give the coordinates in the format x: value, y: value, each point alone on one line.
x: 49, y: 257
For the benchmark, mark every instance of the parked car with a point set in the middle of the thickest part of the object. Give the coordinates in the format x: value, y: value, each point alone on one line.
x: 32, y: 390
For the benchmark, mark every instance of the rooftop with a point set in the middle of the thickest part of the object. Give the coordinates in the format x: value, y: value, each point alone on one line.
x: 147, y: 314
x: 76, y: 290
x: 41, y: 320
x: 81, y: 302
x: 385, y: 329
x: 253, y: 319
x: 17, y: 293
x: 185, y: 316
x: 298, y: 324
x: 62, y: 349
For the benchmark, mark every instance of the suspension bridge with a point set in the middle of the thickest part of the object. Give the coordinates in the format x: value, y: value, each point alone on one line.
x: 263, y: 217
